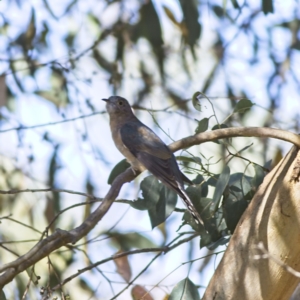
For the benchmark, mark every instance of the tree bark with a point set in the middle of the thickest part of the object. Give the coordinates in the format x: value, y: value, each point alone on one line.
x: 273, y: 218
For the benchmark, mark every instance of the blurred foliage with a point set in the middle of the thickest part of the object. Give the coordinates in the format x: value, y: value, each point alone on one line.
x: 184, y: 57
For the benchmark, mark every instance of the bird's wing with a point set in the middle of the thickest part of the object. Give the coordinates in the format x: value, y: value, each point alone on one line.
x: 139, y: 138
x: 150, y: 150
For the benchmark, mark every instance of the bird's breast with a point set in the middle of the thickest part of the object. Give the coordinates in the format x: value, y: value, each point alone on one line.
x: 135, y: 163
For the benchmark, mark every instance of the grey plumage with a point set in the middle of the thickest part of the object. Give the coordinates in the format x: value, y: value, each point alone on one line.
x: 145, y: 150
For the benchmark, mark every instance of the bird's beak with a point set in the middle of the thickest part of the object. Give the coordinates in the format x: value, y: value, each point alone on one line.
x: 105, y: 100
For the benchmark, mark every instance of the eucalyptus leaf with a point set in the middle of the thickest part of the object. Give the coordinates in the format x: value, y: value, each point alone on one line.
x: 204, y: 186
x: 268, y: 164
x: 267, y: 6
x: 191, y: 22
x: 243, y: 105
x: 127, y: 241
x: 119, y: 168
x: 185, y: 289
x: 140, y: 204
x: 236, y: 201
x: 192, y: 159
x: 196, y: 101
x: 164, y: 207
x: 220, y: 187
x: 259, y: 176
x: 161, y: 201
x: 202, y: 125
x: 2, y: 296
x: 233, y: 210
x: 151, y: 191
x: 219, y: 126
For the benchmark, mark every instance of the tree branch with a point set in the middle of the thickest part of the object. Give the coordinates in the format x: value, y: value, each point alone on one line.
x: 217, y: 134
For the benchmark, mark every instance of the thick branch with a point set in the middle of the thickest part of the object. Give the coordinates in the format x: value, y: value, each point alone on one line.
x: 235, y: 132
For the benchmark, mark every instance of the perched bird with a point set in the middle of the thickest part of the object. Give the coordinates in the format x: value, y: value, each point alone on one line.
x: 145, y: 150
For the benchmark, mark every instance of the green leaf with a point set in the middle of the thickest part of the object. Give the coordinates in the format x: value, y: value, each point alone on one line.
x: 268, y: 164
x: 243, y: 105
x: 150, y: 28
x: 218, y: 10
x: 219, y: 126
x: 160, y: 200
x: 202, y: 125
x: 201, y: 204
x: 70, y: 38
x: 185, y: 290
x: 233, y: 210
x: 20, y: 285
x: 204, y: 186
x: 85, y: 285
x: 235, y: 4
x: 194, y: 193
x: 102, y: 61
x: 191, y: 22
x: 196, y: 101
x: 220, y: 187
x: 151, y: 190
x: 267, y: 6
x: 140, y: 204
x: 192, y: 159
x: 120, y: 47
x: 237, y: 178
x: 119, y: 168
x: 212, y: 222
x: 164, y: 207
x: 236, y: 201
x: 129, y: 241
x: 2, y: 296
x: 259, y: 176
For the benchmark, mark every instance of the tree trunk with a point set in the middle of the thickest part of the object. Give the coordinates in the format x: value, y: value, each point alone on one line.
x: 273, y: 218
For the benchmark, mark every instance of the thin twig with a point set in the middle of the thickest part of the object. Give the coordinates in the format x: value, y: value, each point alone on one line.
x: 52, y: 123
x: 90, y: 267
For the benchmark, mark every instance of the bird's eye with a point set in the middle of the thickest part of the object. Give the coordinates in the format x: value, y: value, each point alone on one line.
x: 120, y: 103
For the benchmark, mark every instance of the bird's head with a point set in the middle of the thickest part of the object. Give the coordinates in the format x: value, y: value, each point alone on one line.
x: 116, y: 105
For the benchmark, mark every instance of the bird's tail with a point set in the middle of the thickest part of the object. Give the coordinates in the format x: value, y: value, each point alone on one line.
x: 189, y: 204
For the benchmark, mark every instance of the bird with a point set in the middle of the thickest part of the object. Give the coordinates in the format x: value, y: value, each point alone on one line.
x: 143, y: 149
